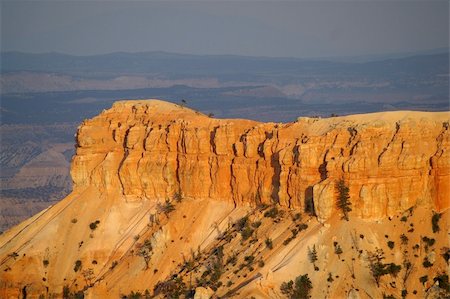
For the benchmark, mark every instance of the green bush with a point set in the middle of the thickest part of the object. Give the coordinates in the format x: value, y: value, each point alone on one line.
x: 272, y: 213
x: 404, y: 239
x: 269, y: 243
x: 93, y: 225
x: 391, y: 244
x: 423, y: 279
x: 426, y: 263
x: 77, y: 266
x: 435, y: 222
x: 442, y: 279
x: 246, y: 232
x: 301, y: 289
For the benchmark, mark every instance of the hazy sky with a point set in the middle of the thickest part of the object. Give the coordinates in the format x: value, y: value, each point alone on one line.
x: 277, y: 28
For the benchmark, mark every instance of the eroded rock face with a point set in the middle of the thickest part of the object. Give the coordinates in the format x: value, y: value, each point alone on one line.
x: 153, y: 149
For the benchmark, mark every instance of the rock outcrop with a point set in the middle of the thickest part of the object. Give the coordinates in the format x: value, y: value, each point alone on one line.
x: 114, y: 234
x: 150, y: 149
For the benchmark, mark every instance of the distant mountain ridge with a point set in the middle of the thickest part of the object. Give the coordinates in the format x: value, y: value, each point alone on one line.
x: 158, y: 61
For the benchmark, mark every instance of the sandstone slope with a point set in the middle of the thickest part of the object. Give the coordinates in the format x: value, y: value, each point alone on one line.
x: 240, y: 183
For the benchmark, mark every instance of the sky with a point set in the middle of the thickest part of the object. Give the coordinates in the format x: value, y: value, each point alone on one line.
x: 253, y: 28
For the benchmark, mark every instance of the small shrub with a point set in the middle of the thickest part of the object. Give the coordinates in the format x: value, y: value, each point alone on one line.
x: 45, y: 263
x: 177, y: 197
x: 297, y: 217
x: 261, y: 263
x: 426, y: 263
x: 435, y: 222
x: 232, y: 260
x: 241, y: 223
x: 246, y: 232
x: 74, y: 220
x: 249, y: 259
x: 256, y: 224
x: 77, y: 266
x: 429, y: 242
x: 445, y: 254
x: 404, y: 218
x: 338, y: 250
x: 404, y: 239
x: 423, y: 279
x: 93, y: 225
x: 302, y: 226
x: 391, y: 244
x: 393, y: 269
x: 287, y: 241
x: 312, y: 255
x: 165, y: 208
x: 301, y: 288
x: 269, y: 243
x: 330, y: 278
x: 442, y: 279
x: 272, y: 213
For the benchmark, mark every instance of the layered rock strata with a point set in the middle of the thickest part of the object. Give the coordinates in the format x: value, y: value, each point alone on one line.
x: 150, y: 149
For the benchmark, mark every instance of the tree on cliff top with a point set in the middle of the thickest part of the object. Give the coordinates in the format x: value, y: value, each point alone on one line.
x: 343, y: 198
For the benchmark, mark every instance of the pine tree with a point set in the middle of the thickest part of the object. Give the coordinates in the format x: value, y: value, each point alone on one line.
x: 343, y: 199
x: 312, y: 255
x: 338, y: 250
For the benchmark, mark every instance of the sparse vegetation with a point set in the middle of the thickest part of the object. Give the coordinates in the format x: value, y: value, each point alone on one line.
x: 330, y: 278
x: 428, y: 242
x: 337, y: 249
x: 88, y: 276
x: 423, y: 279
x: 435, y: 222
x: 93, y: 225
x: 404, y: 239
x: 445, y: 254
x: 426, y: 263
x: 312, y: 256
x: 77, y: 266
x: 67, y: 294
x: 74, y: 220
x: 272, y: 213
x: 145, y: 251
x: 173, y: 288
x: 301, y: 289
x: 165, y: 208
x: 442, y: 279
x: 378, y: 268
x: 343, y: 198
x: 391, y: 244
x: 269, y: 243
x: 243, y: 225
x: 177, y: 197
x: 45, y: 263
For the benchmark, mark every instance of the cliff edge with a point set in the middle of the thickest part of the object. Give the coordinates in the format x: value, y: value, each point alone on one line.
x: 168, y: 203
x: 150, y: 149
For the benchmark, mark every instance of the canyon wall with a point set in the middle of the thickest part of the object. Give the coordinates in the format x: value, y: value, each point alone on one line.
x: 150, y: 149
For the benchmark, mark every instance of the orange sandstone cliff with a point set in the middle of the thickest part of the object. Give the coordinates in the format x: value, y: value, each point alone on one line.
x: 112, y: 234
x: 153, y: 149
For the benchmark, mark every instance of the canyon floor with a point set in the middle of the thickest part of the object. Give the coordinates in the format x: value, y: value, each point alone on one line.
x: 170, y: 203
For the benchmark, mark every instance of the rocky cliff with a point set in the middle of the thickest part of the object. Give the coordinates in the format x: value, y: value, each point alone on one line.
x: 234, y: 223
x: 153, y: 149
